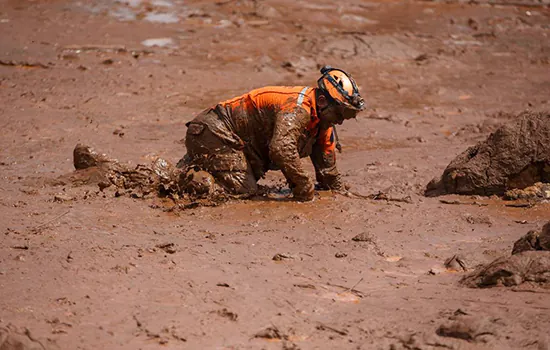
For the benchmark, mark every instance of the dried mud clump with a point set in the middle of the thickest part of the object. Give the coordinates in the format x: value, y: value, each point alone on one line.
x: 530, y: 262
x: 515, y: 156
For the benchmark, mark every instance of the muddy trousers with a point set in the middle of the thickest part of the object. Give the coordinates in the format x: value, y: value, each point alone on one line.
x: 227, y: 165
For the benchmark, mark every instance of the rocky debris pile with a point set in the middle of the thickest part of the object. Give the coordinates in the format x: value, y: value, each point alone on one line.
x: 529, y: 262
x: 515, y: 156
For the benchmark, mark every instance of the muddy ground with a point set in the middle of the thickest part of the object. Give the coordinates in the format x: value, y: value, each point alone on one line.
x: 84, y: 269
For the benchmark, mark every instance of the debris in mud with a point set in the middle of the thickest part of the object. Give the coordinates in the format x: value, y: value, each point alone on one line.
x: 283, y: 256
x: 227, y: 314
x: 534, y: 240
x: 519, y: 205
x: 456, y: 202
x: 324, y: 327
x: 515, y: 156
x: 528, y: 266
x: 456, y: 263
x: 340, y: 255
x: 436, y: 270
x: 62, y: 198
x: 305, y: 286
x: 14, y: 339
x: 371, y: 240
x: 271, y: 333
x: 162, y: 336
x: 483, y: 219
x: 465, y: 327
x: 421, y: 57
x: 169, y: 248
x: 23, y: 64
x: 381, y: 196
x: 364, y: 237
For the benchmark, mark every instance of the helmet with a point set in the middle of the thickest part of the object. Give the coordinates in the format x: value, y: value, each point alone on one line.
x: 340, y: 87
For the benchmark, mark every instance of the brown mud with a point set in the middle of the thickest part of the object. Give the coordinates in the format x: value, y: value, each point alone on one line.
x: 81, y: 268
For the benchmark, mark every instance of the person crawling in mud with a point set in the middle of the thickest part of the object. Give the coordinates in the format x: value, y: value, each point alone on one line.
x: 233, y: 144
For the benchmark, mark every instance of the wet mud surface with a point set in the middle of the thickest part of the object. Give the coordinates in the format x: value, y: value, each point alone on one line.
x: 84, y: 268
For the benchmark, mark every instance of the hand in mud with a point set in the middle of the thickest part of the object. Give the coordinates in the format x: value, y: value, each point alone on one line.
x: 304, y: 193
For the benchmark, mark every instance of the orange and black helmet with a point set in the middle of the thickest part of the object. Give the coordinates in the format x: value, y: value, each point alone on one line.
x: 341, y: 88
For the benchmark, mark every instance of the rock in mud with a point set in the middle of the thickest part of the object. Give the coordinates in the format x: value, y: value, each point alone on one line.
x: 515, y: 156
x: 534, y: 240
x: 270, y: 333
x: 529, y: 266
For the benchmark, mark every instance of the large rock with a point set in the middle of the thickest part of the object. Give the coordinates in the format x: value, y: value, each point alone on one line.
x: 516, y: 155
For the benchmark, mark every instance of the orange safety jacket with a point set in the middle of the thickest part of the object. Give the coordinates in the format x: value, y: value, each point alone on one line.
x: 284, y: 99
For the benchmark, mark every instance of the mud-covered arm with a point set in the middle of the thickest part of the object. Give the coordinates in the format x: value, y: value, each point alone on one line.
x: 323, y: 157
x: 283, y: 151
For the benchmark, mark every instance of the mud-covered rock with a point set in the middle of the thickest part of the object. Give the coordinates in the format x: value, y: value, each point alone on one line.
x: 529, y: 266
x: 516, y: 155
x: 86, y: 157
x: 534, y: 240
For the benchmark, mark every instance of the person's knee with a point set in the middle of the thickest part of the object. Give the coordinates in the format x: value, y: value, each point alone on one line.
x: 237, y: 182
